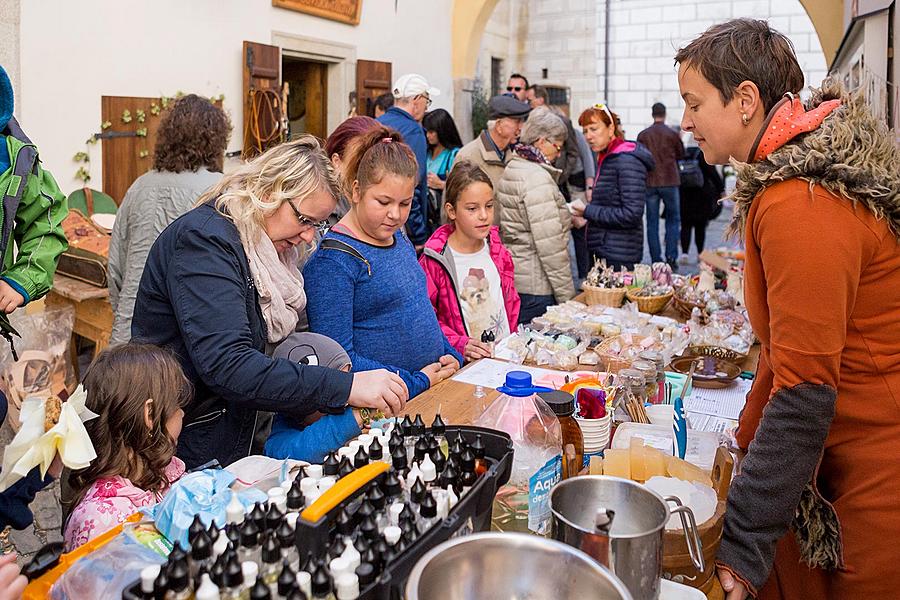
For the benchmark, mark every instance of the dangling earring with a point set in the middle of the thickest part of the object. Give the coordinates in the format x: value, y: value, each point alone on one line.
x: 745, y: 119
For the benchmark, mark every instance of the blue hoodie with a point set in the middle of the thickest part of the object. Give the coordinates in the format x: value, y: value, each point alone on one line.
x: 7, y: 103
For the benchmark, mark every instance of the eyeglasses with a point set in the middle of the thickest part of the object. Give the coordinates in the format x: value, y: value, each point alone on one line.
x: 321, y: 227
x: 427, y: 99
x: 517, y: 88
x: 557, y: 146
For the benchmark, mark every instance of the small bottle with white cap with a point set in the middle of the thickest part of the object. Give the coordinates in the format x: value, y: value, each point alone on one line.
x: 148, y: 576
x: 347, y: 586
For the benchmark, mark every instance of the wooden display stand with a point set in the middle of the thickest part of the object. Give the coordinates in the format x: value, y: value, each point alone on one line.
x: 93, y: 314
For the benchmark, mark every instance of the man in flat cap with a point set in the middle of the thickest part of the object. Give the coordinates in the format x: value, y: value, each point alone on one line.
x: 490, y: 150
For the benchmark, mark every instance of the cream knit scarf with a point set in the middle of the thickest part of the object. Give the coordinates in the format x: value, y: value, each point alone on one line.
x: 279, y: 285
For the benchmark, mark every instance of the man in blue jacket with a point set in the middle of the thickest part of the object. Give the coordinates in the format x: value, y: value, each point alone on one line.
x: 412, y: 97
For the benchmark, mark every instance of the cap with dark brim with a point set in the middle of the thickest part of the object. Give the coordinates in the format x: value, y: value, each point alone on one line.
x: 504, y: 106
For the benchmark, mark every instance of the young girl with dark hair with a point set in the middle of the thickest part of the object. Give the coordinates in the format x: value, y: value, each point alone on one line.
x: 364, y: 288
x: 138, y: 391
x: 471, y: 279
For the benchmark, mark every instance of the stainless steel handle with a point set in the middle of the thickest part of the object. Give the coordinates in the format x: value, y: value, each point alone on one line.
x: 691, y: 535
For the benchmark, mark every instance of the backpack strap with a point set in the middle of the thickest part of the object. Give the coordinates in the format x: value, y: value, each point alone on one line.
x: 334, y: 244
x: 26, y: 162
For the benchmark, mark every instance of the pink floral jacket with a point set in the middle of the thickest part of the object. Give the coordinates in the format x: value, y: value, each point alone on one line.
x: 108, y: 502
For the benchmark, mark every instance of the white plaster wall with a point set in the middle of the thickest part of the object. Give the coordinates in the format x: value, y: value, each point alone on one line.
x: 645, y: 35
x: 72, y: 53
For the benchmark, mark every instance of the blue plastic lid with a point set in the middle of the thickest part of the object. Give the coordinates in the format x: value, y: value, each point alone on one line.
x: 518, y: 384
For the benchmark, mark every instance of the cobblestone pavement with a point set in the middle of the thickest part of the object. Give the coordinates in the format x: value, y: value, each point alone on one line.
x: 46, y: 508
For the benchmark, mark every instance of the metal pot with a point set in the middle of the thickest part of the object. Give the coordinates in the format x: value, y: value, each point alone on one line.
x: 510, y: 565
x: 620, y: 523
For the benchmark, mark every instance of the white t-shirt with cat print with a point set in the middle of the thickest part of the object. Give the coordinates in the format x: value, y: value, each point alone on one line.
x: 480, y: 294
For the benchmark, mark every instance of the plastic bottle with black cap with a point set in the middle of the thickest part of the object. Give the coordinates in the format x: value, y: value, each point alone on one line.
x: 258, y: 516
x: 322, y: 584
x: 201, y: 552
x: 331, y: 465
x: 273, y: 517
x: 361, y: 458
x: 295, y: 499
x: 271, y: 560
x: 439, y: 430
x: 287, y: 579
x: 428, y: 512
x: 468, y: 477
x: 233, y: 580
x: 194, y: 530
x: 250, y: 537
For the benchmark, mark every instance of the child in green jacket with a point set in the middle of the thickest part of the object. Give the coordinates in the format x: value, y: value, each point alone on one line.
x: 31, y: 214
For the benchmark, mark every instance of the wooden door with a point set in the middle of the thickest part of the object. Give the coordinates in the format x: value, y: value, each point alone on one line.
x: 263, y: 102
x: 373, y: 78
x: 128, y: 141
x: 306, y: 83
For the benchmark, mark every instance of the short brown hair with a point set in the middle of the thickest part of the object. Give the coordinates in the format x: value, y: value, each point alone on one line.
x: 741, y: 50
x: 375, y: 153
x: 462, y: 175
x: 118, y: 384
x: 193, y: 134
x: 603, y: 114
x: 540, y: 91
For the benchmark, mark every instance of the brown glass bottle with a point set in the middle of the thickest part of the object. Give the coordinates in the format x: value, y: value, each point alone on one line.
x: 563, y: 405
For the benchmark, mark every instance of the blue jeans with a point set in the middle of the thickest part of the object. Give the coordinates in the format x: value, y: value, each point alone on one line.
x: 669, y: 196
x: 533, y: 306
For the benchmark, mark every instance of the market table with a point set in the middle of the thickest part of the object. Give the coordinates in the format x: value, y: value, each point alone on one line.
x: 93, y: 314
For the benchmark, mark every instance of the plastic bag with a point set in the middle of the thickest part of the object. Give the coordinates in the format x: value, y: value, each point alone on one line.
x: 109, y: 569
x: 205, y: 493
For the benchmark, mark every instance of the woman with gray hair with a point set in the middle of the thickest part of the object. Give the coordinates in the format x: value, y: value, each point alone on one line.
x: 535, y: 222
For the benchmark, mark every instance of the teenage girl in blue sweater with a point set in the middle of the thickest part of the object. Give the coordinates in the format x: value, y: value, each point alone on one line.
x: 364, y: 287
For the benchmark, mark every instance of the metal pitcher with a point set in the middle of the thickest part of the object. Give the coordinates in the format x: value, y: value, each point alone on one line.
x: 620, y: 523
x: 512, y: 566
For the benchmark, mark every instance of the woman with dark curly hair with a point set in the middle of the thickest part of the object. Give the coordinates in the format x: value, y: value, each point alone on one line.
x: 190, y: 150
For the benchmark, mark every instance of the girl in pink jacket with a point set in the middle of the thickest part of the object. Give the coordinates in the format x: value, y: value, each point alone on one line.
x: 468, y: 269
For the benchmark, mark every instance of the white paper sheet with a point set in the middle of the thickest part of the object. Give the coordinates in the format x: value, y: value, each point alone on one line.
x: 701, y: 422
x: 725, y: 403
x: 491, y: 373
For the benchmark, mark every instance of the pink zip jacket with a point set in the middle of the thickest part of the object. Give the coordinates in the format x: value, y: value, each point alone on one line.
x: 440, y: 273
x: 108, y: 502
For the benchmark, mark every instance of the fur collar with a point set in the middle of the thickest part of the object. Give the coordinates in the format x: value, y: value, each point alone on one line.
x: 851, y: 154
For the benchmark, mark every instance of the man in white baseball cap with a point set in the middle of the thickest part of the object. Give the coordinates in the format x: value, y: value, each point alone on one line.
x: 412, y: 97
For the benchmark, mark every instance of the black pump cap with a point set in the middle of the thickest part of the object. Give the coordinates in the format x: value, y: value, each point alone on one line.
x: 406, y: 426
x: 562, y: 403
x: 332, y: 465
x: 321, y: 582
x: 361, y: 458
x: 346, y: 467
x: 437, y: 457
x: 433, y: 444
x: 417, y: 492
x: 369, y: 528
x: 395, y: 441
x: 196, y: 527
x: 448, y: 476
x: 233, y: 574
x: 392, y: 486
x: 428, y: 507
x: 421, y: 449
x: 273, y: 517
x: 361, y: 544
x: 478, y: 446
x: 249, y: 533
x: 296, y: 594
x: 160, y: 585
x: 438, y: 427
x: 345, y: 523
x: 217, y: 573
x: 398, y: 459
x: 375, y: 449
x: 295, y: 499
x: 271, y: 550
x: 233, y: 532
x: 418, y: 426
x: 286, y: 579
x: 376, y: 498
x: 179, y: 576
x: 213, y: 532
x: 301, y: 473
x: 365, y: 572
x: 285, y: 534
x: 365, y: 510
x: 260, y: 591
x: 456, y: 448
x: 468, y: 460
x: 258, y: 516
x: 177, y: 553
x: 202, y: 548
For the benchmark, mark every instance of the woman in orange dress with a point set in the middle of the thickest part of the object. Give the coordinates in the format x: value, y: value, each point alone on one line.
x: 815, y: 510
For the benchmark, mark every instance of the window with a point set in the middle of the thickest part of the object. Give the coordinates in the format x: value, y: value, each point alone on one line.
x: 497, y: 83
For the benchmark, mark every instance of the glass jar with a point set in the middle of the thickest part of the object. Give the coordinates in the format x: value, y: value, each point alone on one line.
x: 648, y: 371
x: 563, y: 406
x: 657, y: 359
x: 633, y: 391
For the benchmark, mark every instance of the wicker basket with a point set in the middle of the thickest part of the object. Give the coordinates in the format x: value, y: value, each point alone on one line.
x: 604, y: 296
x: 685, y: 308
x: 613, y: 362
x: 649, y: 304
